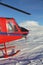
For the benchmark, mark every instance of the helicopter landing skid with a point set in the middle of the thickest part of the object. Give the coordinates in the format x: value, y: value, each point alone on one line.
x: 10, y: 55
x: 5, y: 54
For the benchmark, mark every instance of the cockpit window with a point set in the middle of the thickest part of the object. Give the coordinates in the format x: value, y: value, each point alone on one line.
x: 11, y: 27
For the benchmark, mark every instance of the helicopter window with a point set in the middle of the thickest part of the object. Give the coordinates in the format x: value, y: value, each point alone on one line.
x: 11, y: 27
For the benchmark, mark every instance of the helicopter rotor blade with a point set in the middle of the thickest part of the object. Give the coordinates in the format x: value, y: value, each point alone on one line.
x: 14, y: 8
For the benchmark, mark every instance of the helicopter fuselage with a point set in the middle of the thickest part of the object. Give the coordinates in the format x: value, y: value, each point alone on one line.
x: 9, y: 30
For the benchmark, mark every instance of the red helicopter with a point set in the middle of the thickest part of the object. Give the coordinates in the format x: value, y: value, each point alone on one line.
x: 10, y: 30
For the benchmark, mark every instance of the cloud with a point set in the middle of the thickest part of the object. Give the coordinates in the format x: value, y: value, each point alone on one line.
x: 34, y: 28
x: 33, y: 23
x: 30, y: 24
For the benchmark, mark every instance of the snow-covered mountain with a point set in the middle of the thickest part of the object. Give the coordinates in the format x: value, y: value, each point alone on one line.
x: 31, y: 49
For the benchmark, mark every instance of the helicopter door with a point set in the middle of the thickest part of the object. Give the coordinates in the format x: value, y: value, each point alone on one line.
x: 11, y: 28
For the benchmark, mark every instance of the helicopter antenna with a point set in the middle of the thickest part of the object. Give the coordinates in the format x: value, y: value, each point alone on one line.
x: 14, y: 8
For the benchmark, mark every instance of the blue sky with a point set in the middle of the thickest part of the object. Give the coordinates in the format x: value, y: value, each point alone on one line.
x: 35, y: 7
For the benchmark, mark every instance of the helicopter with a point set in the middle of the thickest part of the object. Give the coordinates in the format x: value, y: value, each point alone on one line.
x: 11, y: 31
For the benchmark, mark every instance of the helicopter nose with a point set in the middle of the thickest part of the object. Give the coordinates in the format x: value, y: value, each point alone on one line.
x: 24, y: 32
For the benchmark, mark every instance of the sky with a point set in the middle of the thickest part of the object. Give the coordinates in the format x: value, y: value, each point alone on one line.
x: 35, y: 7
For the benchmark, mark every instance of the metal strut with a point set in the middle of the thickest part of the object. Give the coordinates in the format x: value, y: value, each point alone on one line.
x: 5, y: 49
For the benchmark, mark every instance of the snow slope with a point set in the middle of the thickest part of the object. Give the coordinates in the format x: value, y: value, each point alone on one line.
x: 31, y: 49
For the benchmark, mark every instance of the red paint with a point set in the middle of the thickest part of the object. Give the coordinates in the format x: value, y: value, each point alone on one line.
x: 8, y: 38
x: 4, y: 28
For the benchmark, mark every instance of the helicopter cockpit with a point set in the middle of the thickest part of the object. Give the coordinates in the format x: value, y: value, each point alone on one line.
x: 11, y: 27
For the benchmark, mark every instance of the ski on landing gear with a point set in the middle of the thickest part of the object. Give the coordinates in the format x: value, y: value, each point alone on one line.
x: 5, y: 51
